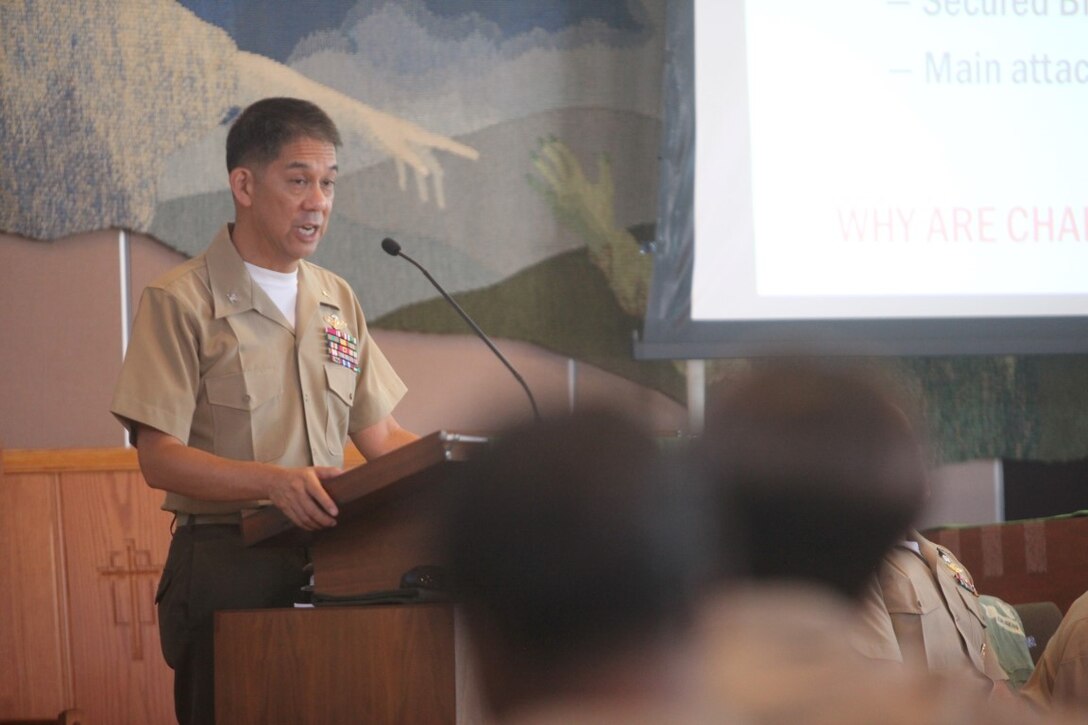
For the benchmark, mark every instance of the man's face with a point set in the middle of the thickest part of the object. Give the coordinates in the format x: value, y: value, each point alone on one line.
x: 291, y: 201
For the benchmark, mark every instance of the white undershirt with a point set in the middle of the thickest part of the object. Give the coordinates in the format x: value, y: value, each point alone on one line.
x: 282, y: 287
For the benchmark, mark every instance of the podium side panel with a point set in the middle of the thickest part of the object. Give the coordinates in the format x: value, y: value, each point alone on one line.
x: 372, y: 552
x: 382, y: 664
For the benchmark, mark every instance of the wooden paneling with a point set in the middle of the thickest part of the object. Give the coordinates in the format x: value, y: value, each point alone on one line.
x: 83, y: 460
x: 116, y: 540
x: 34, y: 674
x: 82, y: 544
x: 79, y: 460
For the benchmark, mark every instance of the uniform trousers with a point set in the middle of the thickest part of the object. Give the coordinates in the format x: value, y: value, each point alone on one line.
x: 209, y: 569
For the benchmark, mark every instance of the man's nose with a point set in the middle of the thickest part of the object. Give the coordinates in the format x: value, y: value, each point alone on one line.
x: 317, y: 199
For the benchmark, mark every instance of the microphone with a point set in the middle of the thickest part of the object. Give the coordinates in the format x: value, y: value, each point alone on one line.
x: 392, y: 248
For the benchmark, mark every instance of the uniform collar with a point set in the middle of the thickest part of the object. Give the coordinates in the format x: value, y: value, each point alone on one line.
x: 234, y: 291
x: 918, y: 545
x: 912, y: 545
x: 231, y: 285
x: 929, y: 551
x: 311, y: 295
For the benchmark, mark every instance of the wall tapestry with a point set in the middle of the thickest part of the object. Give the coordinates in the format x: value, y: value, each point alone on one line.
x: 508, y: 145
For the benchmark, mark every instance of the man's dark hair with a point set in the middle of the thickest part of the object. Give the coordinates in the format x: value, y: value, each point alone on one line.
x: 821, y: 467
x: 262, y: 130
x: 574, y: 537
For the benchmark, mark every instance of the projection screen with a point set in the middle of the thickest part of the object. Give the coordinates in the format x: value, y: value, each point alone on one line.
x: 873, y: 177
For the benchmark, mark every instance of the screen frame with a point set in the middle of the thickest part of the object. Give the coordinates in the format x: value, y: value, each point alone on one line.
x: 669, y: 332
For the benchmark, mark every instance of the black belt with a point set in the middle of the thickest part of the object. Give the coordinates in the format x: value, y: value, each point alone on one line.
x: 184, y: 519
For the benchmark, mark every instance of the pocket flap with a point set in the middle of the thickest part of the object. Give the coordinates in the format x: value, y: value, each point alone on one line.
x: 341, y: 381
x: 244, y: 391
x: 902, y: 597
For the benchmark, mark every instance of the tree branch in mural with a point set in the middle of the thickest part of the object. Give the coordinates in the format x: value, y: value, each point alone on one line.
x: 588, y: 208
x: 409, y: 145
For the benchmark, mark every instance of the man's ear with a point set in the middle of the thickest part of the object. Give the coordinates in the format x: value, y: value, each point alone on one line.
x: 241, y: 185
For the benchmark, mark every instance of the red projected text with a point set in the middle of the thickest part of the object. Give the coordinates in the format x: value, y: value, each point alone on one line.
x: 986, y: 224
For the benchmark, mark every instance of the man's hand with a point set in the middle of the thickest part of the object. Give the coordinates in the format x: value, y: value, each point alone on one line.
x: 298, y: 493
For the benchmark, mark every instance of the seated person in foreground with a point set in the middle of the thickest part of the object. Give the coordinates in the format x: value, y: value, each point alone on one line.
x: 823, y: 471
x: 574, y: 553
x: 1060, y: 679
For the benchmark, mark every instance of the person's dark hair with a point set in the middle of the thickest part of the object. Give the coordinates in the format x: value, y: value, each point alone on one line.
x: 572, y: 537
x: 262, y: 130
x: 820, y: 465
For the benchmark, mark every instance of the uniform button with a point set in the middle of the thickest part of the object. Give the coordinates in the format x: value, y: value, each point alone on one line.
x: 246, y: 398
x: 306, y: 397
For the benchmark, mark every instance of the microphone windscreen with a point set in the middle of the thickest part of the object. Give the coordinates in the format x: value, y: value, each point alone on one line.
x: 390, y: 246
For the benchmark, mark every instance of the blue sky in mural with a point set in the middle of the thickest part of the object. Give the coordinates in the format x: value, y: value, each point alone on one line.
x: 519, y: 16
x: 273, y: 27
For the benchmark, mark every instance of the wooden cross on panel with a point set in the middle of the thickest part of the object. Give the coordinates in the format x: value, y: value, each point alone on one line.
x: 127, y: 568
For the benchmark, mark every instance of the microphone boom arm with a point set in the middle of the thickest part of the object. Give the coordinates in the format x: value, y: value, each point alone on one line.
x: 475, y: 328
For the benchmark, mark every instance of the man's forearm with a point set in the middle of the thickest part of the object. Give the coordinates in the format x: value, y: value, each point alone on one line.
x: 170, y: 465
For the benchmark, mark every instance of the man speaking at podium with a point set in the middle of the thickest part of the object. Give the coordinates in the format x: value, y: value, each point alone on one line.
x: 248, y: 368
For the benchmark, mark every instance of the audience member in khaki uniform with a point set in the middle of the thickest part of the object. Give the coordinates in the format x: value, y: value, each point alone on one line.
x: 931, y: 601
x: 824, y: 471
x: 1060, y: 678
x: 575, y: 556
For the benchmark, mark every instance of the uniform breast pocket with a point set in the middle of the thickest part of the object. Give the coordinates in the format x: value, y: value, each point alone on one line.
x: 245, y: 414
x: 903, y: 597
x: 917, y: 612
x: 339, y: 397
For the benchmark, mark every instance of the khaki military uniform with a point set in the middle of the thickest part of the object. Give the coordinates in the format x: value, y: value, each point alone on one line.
x: 1061, y: 674
x: 932, y: 605
x: 780, y: 653
x: 214, y: 363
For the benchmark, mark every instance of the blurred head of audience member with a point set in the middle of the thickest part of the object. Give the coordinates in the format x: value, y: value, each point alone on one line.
x: 576, y: 549
x: 821, y: 466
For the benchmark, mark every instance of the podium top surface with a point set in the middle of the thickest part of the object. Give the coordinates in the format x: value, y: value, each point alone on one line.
x: 422, y: 463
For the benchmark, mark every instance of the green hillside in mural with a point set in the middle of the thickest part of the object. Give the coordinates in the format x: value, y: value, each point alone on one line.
x: 1022, y: 407
x: 563, y: 304
x: 1025, y: 407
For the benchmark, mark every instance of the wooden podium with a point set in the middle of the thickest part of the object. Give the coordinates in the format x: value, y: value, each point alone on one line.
x: 380, y: 663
